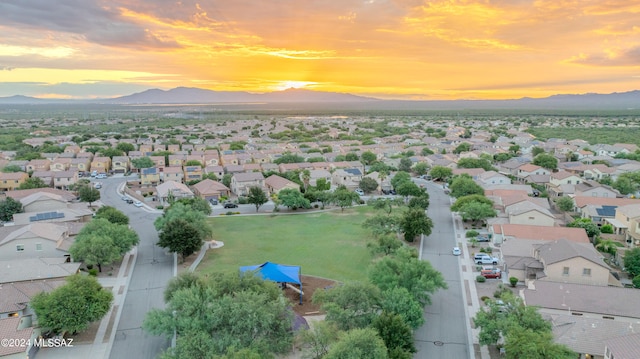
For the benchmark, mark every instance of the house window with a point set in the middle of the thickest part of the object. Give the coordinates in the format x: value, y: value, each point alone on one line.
x: 565, y: 271
x: 38, y: 246
x: 532, y: 218
x: 20, y: 248
x: 586, y: 272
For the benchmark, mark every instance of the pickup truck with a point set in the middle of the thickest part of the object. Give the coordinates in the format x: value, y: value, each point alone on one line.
x: 482, y: 258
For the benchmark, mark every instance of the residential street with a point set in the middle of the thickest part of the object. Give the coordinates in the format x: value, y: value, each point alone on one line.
x: 445, y: 333
x: 149, y: 277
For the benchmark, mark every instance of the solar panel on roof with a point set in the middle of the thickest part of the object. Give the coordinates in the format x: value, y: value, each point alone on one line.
x: 45, y: 216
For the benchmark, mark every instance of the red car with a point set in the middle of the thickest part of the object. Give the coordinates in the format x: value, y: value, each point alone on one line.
x: 491, y: 273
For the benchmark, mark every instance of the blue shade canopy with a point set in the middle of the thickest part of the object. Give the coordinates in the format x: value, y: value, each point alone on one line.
x: 275, y: 272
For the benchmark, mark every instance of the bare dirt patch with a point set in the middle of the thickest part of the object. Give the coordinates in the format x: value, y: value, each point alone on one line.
x: 309, y: 285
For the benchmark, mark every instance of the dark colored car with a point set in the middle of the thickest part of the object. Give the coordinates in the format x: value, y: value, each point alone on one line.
x: 230, y: 205
x: 482, y: 239
x: 130, y: 201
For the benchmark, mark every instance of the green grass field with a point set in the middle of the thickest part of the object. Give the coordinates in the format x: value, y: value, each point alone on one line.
x: 329, y: 244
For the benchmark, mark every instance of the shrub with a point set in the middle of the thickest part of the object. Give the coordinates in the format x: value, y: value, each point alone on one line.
x: 93, y: 272
x: 636, y: 281
x: 160, y: 207
x: 513, y: 281
x: 229, y: 213
x: 481, y: 279
x: 484, y: 298
x: 243, y: 200
x: 500, y: 290
x: 472, y: 234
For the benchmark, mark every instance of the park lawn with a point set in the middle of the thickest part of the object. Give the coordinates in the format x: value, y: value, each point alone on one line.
x: 329, y: 244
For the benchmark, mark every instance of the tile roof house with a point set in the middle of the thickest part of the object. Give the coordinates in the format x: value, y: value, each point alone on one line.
x: 121, y: 164
x: 241, y: 182
x: 504, y: 232
x: 274, y: 184
x: 625, y: 347
x: 210, y: 189
x: 15, y: 328
x: 348, y: 177
x: 149, y: 176
x: 169, y: 189
x: 173, y: 174
x: 34, y: 240
x: 12, y: 180
x: 192, y: 173
x: 627, y: 223
x: 529, y: 213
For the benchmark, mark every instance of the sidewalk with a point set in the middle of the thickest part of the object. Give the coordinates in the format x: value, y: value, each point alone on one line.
x: 468, y: 281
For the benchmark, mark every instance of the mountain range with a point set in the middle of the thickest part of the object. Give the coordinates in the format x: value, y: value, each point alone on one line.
x: 186, y: 95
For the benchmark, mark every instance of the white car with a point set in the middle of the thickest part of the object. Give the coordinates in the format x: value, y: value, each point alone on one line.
x: 359, y: 192
x: 456, y: 251
x: 137, y: 204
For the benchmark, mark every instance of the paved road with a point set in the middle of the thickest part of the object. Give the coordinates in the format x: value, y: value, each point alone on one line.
x: 152, y: 271
x: 444, y: 334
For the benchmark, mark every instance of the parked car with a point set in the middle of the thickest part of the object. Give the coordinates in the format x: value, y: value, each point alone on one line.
x: 482, y: 258
x: 101, y: 175
x: 391, y: 192
x: 129, y: 200
x: 482, y: 239
x: 359, y: 192
x: 456, y: 251
x: 491, y: 273
x: 124, y: 198
x: 230, y: 205
x: 137, y: 204
x: 98, y: 185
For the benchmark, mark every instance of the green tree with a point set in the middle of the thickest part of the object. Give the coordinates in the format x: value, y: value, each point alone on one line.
x: 396, y: 335
x: 607, y: 246
x: 197, y: 204
x: 181, y: 211
x: 358, y: 344
x: 292, y: 198
x: 502, y: 157
x: 351, y: 156
x: 405, y: 270
x: 368, y: 184
x: 316, y: 341
x: 142, y: 162
x: 9, y: 207
x: 111, y: 152
x: 181, y: 237
x: 421, y: 202
x: 289, y: 158
x: 464, y: 200
x: 399, y: 301
x: 184, y: 280
x: 125, y: 147
x: 385, y: 204
x: 405, y: 164
x: 95, y: 249
x: 33, y: 182
x: 226, y: 179
x: 565, y: 204
x: 257, y: 197
x: 632, y: 261
x: 408, y: 188
x: 606, y: 229
x: 399, y: 178
x: 112, y: 215
x: 439, y: 173
x: 463, y: 147
x: 382, y: 224
x: 343, y: 198
x: 71, y: 307
x: 88, y: 194
x: 514, y: 149
x: 464, y: 186
x: 368, y: 158
x: 475, y: 163
x: 592, y: 229
x: 421, y: 168
x: 384, y: 244
x: 426, y: 151
x: 536, y: 151
x: 476, y: 211
x: 11, y: 169
x: 351, y: 305
x: 322, y: 184
x: 236, y: 312
x: 526, y: 343
x: 415, y: 222
x: 546, y: 161
x: 625, y: 185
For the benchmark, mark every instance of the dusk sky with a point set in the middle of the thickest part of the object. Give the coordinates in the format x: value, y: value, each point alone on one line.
x: 410, y: 49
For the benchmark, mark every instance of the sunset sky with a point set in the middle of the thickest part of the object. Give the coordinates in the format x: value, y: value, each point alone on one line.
x: 409, y: 49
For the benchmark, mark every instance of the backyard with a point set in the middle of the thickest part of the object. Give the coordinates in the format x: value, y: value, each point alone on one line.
x: 328, y: 244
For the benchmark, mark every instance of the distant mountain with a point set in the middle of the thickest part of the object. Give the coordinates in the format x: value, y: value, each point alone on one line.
x: 190, y: 95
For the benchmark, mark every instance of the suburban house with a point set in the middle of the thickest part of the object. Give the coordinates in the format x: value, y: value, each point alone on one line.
x: 384, y: 183
x: 159, y: 163
x: 315, y: 175
x: 594, y: 189
x: 149, y: 176
x: 64, y: 179
x: 101, y: 164
x: 590, y: 311
x: 172, y: 189
x: 571, y: 262
x: 121, y: 164
x: 627, y: 223
x: 241, y: 182
x: 210, y: 190
x: 192, y: 173
x: 529, y: 213
x: 45, y: 176
x: 528, y: 169
x: 177, y: 160
x: 35, y: 240
x: 216, y: 170
x: 274, y: 184
x: 627, y: 346
x: 38, y: 165
x: 173, y: 174
x: 82, y: 164
x: 505, y: 232
x: 12, y: 180
x: 348, y: 177
x: 492, y: 178
x: 21, y: 330
x: 60, y: 164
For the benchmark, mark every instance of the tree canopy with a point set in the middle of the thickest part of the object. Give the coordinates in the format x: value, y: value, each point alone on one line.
x: 292, y: 198
x: 358, y: 344
x: 181, y: 211
x: 546, y: 161
x: 257, y: 197
x: 9, y: 207
x: 565, y: 204
x: 142, y: 162
x: 414, y: 222
x: 181, y: 237
x: 88, y: 194
x: 71, y: 307
x: 231, y: 313
x: 33, y: 182
x: 464, y: 200
x: 101, y: 242
x: 464, y: 186
x: 632, y: 261
x: 343, y: 197
x: 112, y: 215
x: 440, y: 172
